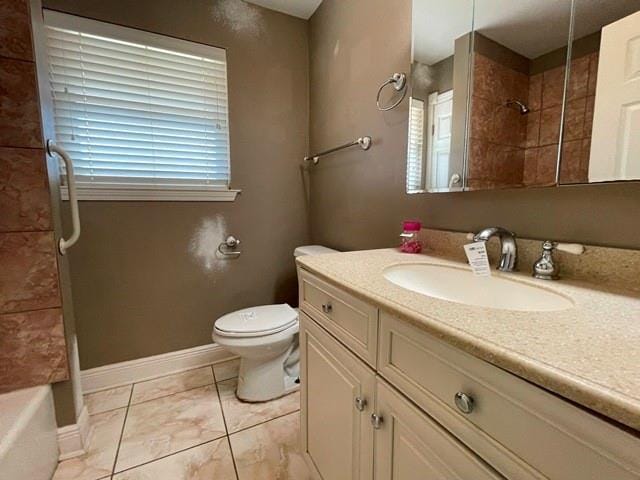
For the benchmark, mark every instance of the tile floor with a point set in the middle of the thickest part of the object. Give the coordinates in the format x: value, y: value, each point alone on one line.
x: 188, y: 426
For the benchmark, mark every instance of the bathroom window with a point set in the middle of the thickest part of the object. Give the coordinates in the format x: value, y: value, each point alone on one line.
x: 143, y: 116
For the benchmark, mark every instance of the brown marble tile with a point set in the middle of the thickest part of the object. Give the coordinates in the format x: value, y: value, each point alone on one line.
x: 508, y: 164
x: 19, y: 111
x: 578, y: 78
x: 32, y: 349
x: 530, y: 166
x: 482, y: 115
x: 24, y: 191
x: 509, y: 127
x: 29, y: 275
x: 574, y: 119
x: 514, y: 85
x: 570, y: 162
x: 547, y: 165
x: 480, y: 164
x: 535, y: 92
x: 15, y: 34
x: 486, y: 83
x: 588, y: 116
x: 271, y: 451
x: 533, y: 129
x: 552, y: 87
x: 550, y: 125
x: 593, y: 73
x: 585, y: 156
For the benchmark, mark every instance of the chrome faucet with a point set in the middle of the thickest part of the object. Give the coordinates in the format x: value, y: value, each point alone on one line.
x: 507, y: 246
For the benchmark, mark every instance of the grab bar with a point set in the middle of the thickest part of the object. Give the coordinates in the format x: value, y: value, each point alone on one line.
x: 64, y: 245
x: 364, y: 142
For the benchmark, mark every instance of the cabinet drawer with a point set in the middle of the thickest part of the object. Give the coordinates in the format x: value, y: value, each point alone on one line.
x: 350, y: 320
x: 524, y: 431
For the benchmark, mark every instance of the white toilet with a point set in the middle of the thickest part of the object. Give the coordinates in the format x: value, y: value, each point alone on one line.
x: 266, y: 340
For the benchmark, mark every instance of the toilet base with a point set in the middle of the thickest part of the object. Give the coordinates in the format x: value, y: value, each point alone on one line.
x: 261, y: 381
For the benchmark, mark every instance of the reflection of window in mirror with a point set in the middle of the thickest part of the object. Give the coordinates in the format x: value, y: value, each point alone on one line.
x: 415, y: 146
x: 601, y: 140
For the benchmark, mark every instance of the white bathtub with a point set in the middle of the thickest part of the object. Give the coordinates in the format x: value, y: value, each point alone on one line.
x: 28, y: 440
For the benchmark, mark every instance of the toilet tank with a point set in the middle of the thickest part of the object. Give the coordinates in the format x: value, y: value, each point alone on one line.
x: 312, y: 250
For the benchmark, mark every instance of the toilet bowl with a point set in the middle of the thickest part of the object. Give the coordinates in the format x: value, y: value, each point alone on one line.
x: 266, y: 340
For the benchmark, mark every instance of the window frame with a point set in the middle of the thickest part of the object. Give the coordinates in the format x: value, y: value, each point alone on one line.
x: 141, y: 191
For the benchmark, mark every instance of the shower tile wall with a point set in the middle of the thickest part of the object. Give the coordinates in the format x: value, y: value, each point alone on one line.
x: 578, y: 124
x: 32, y: 345
x: 498, y: 133
x: 507, y: 149
x: 543, y: 128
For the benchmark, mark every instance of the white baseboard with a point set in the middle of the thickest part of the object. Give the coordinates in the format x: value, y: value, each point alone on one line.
x: 73, y: 438
x: 124, y: 373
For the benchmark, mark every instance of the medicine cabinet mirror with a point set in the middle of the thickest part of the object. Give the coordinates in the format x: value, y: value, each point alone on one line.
x: 493, y: 104
x: 601, y: 135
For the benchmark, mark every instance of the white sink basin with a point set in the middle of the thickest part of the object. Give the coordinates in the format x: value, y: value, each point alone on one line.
x: 461, y: 286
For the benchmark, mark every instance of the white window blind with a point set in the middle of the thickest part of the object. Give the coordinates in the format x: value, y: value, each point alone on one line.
x: 138, y: 110
x: 415, y: 148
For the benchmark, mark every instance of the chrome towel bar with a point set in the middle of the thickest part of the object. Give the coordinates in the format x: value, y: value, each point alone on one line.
x: 363, y: 142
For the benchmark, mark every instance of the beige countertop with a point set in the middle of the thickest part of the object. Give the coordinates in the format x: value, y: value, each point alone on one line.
x: 589, y: 354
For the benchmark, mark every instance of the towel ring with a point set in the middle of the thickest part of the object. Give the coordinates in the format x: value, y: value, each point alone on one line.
x: 399, y: 82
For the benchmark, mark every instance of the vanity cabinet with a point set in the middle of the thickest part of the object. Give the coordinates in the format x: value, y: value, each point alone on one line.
x: 411, y: 406
x: 346, y: 410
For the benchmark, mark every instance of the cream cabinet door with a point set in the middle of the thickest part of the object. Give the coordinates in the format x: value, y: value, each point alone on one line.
x: 409, y: 445
x: 337, y: 401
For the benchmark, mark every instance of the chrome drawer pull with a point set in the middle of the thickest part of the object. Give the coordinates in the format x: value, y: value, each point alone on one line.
x: 464, y: 402
x: 361, y: 403
x: 327, y: 307
x: 376, y: 421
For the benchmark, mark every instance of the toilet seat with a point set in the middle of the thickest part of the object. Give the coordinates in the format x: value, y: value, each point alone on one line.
x: 256, y: 321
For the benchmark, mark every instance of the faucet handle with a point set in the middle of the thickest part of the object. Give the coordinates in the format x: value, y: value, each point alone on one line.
x: 573, y: 248
x: 546, y: 267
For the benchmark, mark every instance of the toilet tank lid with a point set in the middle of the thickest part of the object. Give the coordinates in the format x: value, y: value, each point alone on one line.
x: 312, y: 250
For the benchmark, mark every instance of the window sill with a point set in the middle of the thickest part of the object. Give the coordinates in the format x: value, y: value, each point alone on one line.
x: 117, y: 194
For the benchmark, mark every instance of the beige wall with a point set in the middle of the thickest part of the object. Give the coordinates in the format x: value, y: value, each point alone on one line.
x: 137, y: 289
x: 358, y: 199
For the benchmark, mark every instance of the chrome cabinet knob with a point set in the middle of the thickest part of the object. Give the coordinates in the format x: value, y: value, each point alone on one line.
x: 464, y: 402
x: 327, y: 307
x: 376, y: 421
x: 361, y: 403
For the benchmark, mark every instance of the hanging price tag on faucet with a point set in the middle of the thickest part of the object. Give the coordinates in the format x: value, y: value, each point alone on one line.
x: 478, y: 258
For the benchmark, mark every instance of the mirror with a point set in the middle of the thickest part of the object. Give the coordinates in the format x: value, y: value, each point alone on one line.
x: 601, y: 135
x: 518, y: 65
x: 439, y: 83
x: 487, y: 91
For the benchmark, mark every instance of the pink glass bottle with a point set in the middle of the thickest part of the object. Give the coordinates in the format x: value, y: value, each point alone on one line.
x: 409, y: 237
